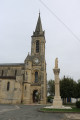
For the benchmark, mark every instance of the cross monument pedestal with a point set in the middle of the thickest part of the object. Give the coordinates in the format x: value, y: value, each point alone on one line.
x: 57, y: 102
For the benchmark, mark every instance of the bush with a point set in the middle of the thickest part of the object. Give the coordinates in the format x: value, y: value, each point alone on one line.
x: 49, y: 99
x: 78, y: 104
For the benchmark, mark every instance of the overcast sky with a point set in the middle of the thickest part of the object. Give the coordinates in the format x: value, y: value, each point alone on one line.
x: 18, y: 20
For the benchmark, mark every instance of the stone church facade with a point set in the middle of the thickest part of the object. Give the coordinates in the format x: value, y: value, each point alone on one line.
x: 26, y: 82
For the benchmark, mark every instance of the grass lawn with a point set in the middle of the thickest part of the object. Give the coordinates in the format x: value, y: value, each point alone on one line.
x: 73, y: 110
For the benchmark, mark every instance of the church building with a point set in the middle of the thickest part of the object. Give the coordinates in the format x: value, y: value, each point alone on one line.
x: 26, y: 82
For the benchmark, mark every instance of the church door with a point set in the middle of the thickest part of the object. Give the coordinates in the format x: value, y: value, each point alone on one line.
x: 35, y: 96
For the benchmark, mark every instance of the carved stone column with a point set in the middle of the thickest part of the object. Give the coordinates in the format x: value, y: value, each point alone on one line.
x: 57, y: 102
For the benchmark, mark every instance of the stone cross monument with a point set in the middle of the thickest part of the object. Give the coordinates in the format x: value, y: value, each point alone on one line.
x: 57, y: 102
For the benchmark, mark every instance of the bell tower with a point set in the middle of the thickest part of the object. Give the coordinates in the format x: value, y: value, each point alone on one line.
x: 38, y: 40
x: 39, y: 63
x: 35, y: 67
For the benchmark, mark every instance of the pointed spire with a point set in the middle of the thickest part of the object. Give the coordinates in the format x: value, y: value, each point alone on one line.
x: 38, y: 30
x: 39, y: 25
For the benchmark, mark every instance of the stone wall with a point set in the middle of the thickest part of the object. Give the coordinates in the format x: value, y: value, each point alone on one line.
x: 12, y: 75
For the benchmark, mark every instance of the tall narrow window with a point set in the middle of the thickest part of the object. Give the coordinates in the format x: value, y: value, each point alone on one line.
x: 2, y: 72
x: 36, y: 76
x: 8, y: 86
x: 37, y: 46
x: 15, y: 72
x: 25, y: 87
x: 26, y: 76
x: 23, y: 77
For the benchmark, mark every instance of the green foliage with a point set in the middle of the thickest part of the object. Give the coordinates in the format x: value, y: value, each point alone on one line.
x: 78, y: 89
x: 51, y: 87
x: 49, y: 98
x: 79, y: 81
x: 68, y: 88
x: 78, y: 104
x: 73, y: 110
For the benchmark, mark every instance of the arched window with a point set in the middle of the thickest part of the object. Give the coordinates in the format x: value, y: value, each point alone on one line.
x: 27, y: 63
x: 25, y: 87
x: 8, y: 86
x: 15, y: 72
x: 2, y: 72
x: 36, y: 76
x: 37, y: 46
x: 26, y: 76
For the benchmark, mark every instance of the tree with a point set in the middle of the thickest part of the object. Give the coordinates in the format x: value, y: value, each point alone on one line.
x: 68, y: 88
x: 78, y: 88
x: 79, y: 81
x: 51, y: 87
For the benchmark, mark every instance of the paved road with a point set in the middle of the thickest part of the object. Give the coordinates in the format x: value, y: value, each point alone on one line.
x: 26, y: 112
